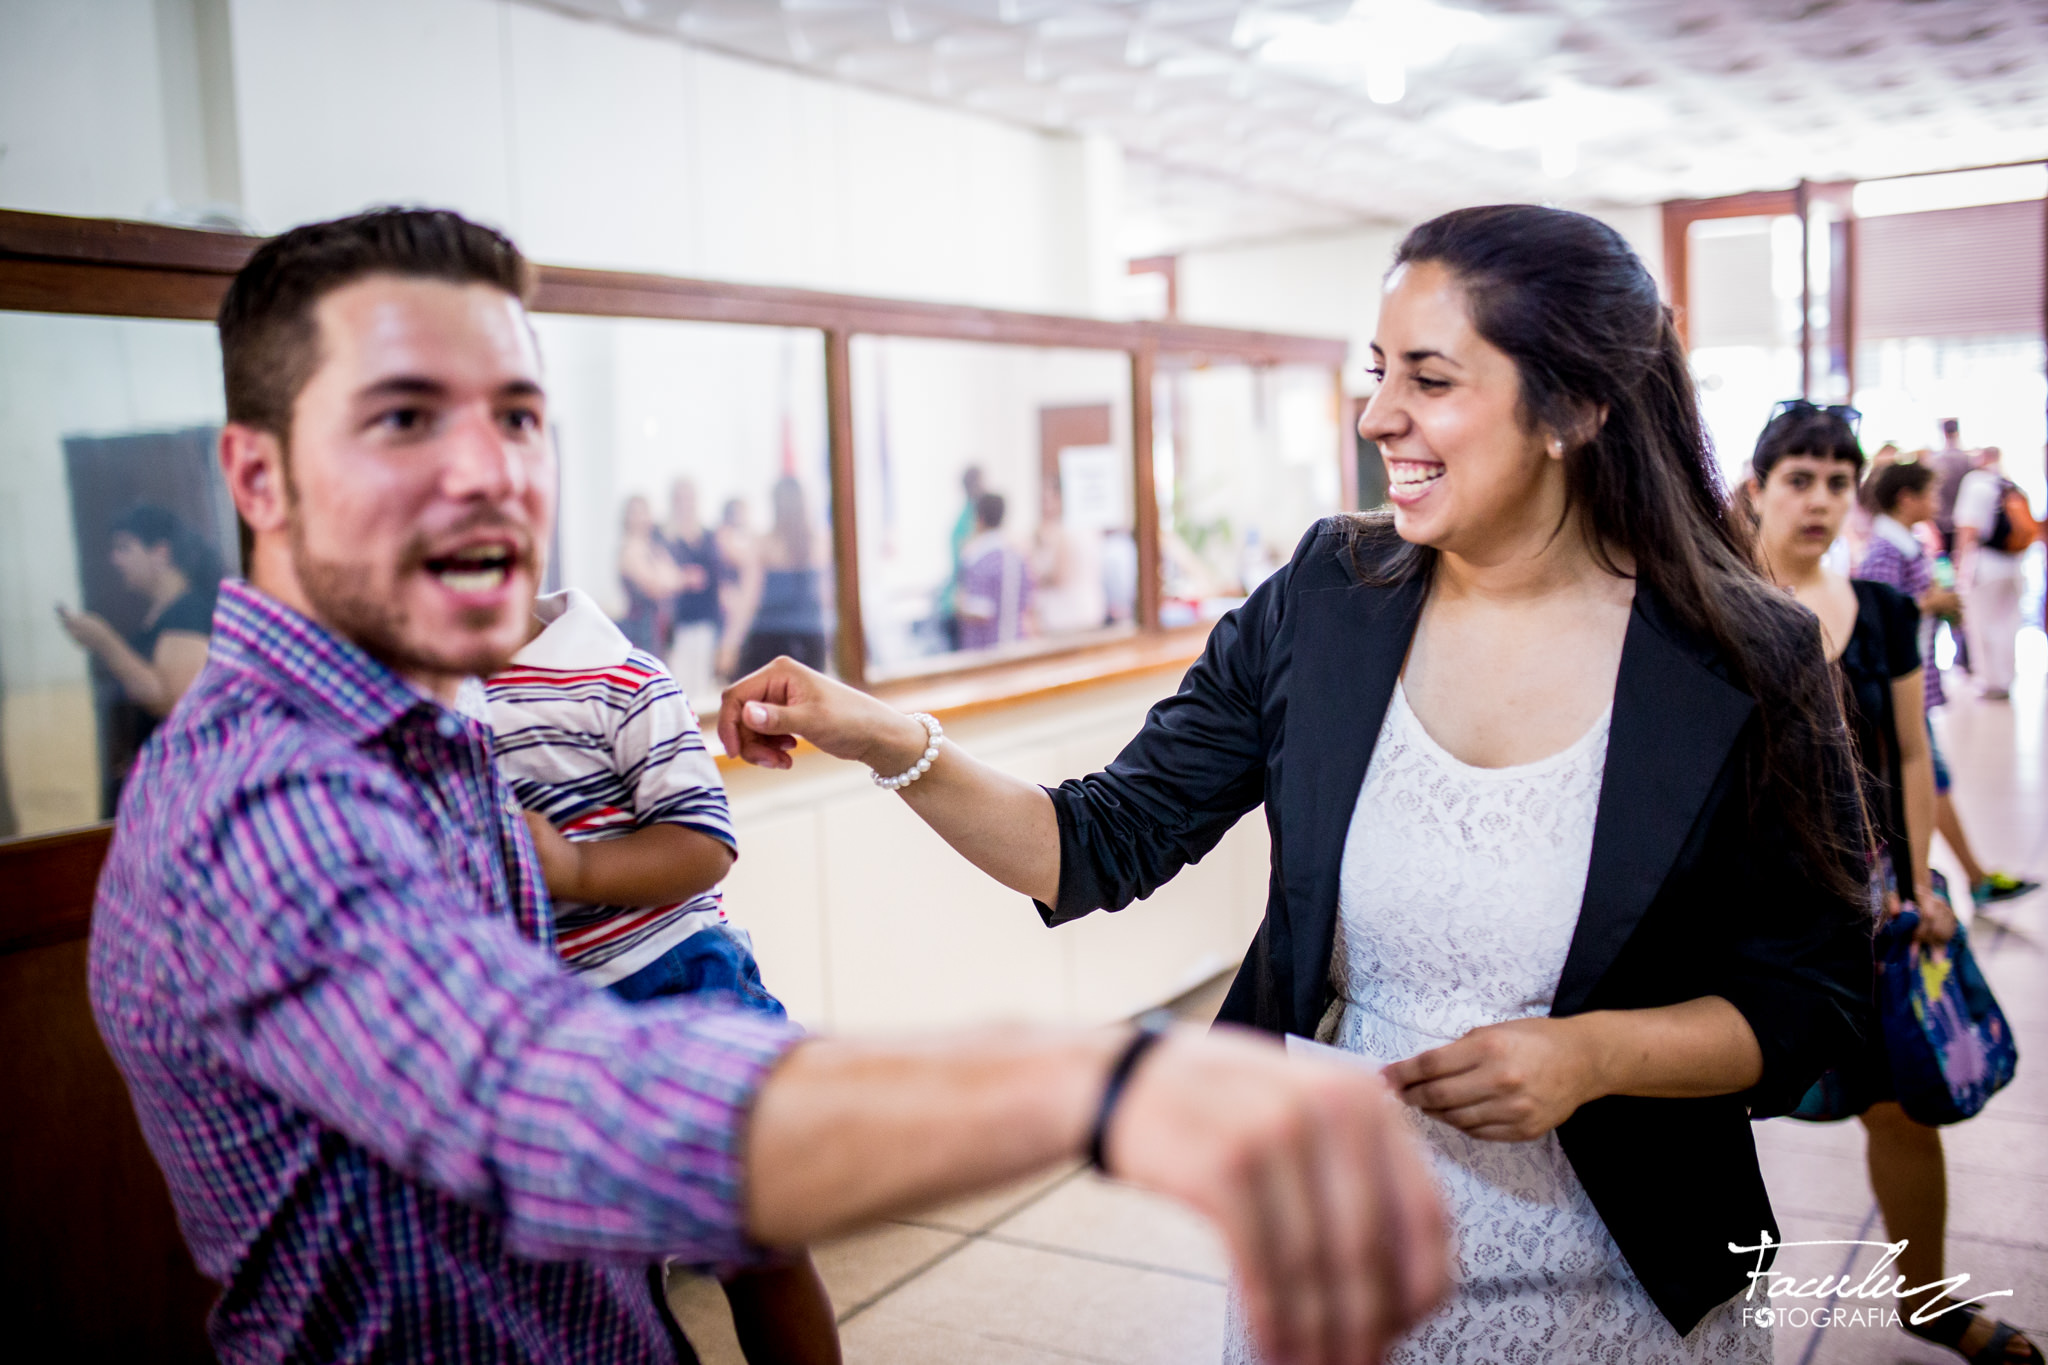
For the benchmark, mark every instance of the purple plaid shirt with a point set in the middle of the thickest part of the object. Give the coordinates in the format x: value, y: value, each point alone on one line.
x: 1897, y: 560
x: 392, y: 1123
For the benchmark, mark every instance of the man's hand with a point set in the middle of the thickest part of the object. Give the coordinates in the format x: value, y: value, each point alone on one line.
x: 1307, y: 1168
x: 561, y: 862
x: 765, y: 712
x: 1507, y: 1082
x: 1309, y: 1173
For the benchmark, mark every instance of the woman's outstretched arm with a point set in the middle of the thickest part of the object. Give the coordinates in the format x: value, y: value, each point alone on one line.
x: 1002, y: 824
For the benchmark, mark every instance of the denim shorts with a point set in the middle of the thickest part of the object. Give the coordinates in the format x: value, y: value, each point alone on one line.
x: 1940, y: 764
x: 714, y: 962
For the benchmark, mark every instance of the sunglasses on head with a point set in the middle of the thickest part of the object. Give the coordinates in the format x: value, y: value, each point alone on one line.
x: 1801, y: 407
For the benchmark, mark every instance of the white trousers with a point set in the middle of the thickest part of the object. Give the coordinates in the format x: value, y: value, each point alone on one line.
x: 1991, y: 615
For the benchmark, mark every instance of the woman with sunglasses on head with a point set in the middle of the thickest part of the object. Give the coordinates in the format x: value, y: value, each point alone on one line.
x: 1803, y: 481
x: 1565, y: 832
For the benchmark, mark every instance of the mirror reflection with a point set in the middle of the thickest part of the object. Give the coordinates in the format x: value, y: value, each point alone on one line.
x: 1245, y: 460
x: 994, y: 486
x: 694, y: 500
x: 115, y: 529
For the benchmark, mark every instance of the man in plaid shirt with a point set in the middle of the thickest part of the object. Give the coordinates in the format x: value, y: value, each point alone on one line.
x: 393, y: 1125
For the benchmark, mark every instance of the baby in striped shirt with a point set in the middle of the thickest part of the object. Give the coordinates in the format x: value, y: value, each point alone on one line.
x: 630, y: 821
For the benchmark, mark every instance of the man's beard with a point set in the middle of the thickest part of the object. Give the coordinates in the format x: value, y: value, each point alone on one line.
x: 351, y: 606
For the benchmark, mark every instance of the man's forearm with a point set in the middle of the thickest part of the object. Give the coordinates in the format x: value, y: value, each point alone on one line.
x: 823, y: 1155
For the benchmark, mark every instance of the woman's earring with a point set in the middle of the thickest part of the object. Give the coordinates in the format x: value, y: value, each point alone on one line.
x: 1556, y: 447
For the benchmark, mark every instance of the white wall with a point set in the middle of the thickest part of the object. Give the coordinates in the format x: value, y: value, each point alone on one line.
x: 1324, y: 285
x: 1328, y: 284
x: 594, y: 145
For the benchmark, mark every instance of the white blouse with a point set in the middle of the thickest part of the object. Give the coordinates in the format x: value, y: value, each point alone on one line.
x: 1459, y: 894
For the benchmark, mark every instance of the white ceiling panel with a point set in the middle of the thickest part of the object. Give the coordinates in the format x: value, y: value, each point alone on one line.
x: 1245, y: 120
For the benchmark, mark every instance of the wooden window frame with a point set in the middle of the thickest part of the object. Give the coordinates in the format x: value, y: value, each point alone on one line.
x: 1681, y: 214
x: 112, y: 268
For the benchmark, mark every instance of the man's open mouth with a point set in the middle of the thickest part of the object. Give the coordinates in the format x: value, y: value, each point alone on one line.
x: 475, y: 568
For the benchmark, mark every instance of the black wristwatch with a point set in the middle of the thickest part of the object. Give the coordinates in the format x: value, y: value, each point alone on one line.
x: 1151, y: 1028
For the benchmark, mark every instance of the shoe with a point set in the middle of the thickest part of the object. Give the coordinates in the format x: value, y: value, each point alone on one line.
x: 2001, y: 886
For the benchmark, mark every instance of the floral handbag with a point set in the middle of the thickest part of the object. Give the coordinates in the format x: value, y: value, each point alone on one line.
x: 1950, y: 1046
x: 1947, y: 1044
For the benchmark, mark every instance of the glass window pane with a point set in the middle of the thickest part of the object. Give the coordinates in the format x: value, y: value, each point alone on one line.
x: 995, y: 500
x: 695, y: 488
x: 1245, y: 460
x: 113, y: 512
x: 1742, y: 296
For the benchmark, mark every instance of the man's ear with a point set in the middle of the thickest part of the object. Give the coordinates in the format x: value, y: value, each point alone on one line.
x: 252, y: 462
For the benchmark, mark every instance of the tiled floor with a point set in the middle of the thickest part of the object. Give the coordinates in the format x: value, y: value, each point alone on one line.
x: 1069, y: 1268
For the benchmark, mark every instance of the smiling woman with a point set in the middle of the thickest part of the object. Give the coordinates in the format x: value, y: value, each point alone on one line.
x: 1562, y: 829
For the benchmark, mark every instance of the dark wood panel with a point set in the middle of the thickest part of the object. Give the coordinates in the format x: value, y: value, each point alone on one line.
x: 50, y: 263
x: 92, y: 1266
x: 49, y: 883
x: 114, y: 241
x: 850, y: 639
x: 1144, y: 491
x: 110, y: 290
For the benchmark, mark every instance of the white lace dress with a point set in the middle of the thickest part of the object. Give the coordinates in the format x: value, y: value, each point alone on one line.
x: 1460, y: 891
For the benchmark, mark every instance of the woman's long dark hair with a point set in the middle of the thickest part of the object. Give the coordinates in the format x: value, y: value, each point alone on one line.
x: 1565, y: 298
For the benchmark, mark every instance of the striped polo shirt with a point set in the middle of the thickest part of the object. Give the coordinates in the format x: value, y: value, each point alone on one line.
x: 596, y: 736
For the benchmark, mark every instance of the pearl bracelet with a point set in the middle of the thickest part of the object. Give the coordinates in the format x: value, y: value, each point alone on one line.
x: 936, y: 737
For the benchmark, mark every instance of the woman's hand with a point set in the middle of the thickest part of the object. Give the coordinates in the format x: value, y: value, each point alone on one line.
x: 768, y: 710
x: 1506, y: 1082
x: 1940, y: 602
x: 1937, y: 917
x: 89, y: 629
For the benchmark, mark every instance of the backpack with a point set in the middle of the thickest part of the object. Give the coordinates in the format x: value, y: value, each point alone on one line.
x: 2015, y: 529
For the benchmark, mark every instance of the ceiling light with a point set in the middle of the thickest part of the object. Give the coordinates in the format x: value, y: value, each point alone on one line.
x: 1567, y: 115
x: 1374, y: 45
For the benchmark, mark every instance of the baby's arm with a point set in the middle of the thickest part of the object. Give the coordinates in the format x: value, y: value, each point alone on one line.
x: 658, y: 865
x: 678, y: 802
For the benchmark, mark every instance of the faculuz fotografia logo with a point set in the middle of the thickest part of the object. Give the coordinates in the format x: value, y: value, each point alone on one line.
x: 1847, y: 1299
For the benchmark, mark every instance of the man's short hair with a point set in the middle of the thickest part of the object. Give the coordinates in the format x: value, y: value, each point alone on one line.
x: 1895, y: 481
x: 989, y: 509
x: 268, y: 342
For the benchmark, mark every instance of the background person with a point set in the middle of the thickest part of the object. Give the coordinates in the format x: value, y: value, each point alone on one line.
x: 391, y: 1122
x: 695, y: 615
x: 1990, y: 576
x: 781, y: 596
x: 1804, y: 480
x: 648, y: 576
x: 994, y: 594
x: 163, y: 561
x: 1534, y: 852
x: 972, y: 485
x: 1904, y: 497
x: 1070, y: 589
x: 1951, y: 464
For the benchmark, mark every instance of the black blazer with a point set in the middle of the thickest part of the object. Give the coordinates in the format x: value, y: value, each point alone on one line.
x: 1693, y: 889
